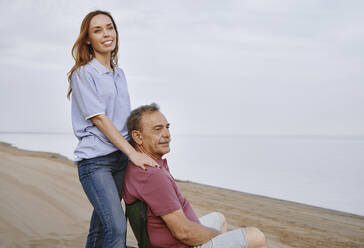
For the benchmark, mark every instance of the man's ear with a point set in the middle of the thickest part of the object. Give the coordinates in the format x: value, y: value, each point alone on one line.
x: 137, y: 137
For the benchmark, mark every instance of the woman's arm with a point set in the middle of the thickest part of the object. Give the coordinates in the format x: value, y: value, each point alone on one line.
x: 104, y: 124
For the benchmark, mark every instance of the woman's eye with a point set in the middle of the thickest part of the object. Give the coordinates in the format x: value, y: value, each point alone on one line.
x: 111, y: 28
x: 96, y: 31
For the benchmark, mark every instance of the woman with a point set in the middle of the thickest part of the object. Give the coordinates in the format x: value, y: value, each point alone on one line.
x: 100, y: 107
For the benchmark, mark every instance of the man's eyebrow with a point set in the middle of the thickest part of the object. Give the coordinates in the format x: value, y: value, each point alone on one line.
x: 160, y: 125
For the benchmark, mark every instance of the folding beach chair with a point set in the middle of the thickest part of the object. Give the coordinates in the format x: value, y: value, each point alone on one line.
x: 136, y: 212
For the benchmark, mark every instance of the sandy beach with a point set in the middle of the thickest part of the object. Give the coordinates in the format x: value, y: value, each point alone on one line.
x: 43, y: 205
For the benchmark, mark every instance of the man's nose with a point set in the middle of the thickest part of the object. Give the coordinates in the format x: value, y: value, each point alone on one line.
x: 166, y: 133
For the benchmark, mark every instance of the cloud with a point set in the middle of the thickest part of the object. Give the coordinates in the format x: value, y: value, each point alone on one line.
x: 261, y: 67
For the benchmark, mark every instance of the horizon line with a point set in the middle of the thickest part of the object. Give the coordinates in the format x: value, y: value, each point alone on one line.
x: 247, y: 135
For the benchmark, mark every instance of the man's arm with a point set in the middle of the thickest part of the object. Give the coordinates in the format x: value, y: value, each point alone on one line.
x: 186, y: 231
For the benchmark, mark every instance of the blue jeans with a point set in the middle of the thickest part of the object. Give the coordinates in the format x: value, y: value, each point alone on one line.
x: 102, y: 180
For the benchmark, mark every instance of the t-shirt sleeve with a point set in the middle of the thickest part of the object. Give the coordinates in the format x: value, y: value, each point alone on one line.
x: 85, y: 95
x: 160, y: 195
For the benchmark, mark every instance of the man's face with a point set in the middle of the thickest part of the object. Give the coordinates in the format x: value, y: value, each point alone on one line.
x: 155, y: 134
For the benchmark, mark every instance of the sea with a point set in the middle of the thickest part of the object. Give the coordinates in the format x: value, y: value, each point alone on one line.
x: 323, y: 171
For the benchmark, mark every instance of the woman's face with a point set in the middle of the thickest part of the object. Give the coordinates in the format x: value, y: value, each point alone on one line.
x: 102, y: 34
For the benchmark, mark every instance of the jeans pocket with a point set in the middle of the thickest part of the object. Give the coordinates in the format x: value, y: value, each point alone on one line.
x: 83, y: 169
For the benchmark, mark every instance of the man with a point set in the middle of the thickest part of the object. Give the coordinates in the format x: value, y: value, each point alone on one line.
x: 172, y: 221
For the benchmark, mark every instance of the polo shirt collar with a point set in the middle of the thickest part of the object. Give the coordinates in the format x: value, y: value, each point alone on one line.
x: 162, y: 162
x: 98, y: 66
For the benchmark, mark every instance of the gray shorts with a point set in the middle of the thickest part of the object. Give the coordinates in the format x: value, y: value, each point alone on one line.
x: 232, y: 239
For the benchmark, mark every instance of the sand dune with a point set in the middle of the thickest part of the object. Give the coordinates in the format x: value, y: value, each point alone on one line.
x: 43, y: 205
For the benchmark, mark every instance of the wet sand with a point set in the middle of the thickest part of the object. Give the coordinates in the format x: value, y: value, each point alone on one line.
x: 43, y: 205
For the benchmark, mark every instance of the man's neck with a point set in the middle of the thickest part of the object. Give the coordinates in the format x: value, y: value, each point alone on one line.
x: 152, y: 155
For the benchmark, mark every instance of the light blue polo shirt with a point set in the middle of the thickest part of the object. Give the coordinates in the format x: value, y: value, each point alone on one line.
x: 97, y: 90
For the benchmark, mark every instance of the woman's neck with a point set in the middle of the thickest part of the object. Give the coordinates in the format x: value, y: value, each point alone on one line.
x: 104, y: 60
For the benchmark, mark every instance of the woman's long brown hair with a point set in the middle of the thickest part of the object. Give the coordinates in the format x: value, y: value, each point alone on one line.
x: 82, y: 52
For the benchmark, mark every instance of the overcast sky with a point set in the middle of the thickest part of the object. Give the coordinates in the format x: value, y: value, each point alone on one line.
x: 215, y: 67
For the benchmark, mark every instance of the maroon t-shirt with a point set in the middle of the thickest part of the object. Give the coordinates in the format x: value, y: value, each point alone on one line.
x: 157, y: 188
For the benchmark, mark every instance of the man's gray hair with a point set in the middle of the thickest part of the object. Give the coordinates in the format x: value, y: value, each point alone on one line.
x: 133, y: 121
